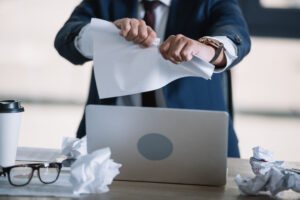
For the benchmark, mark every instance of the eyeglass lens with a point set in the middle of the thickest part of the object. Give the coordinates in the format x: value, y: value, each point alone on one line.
x: 49, y: 174
x: 20, y: 175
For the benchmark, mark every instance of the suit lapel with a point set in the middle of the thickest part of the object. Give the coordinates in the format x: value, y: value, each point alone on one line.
x: 124, y: 8
x: 173, y: 23
x: 179, y: 14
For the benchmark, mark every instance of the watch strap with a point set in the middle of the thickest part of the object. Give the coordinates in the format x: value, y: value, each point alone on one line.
x: 218, y: 46
x: 217, y: 54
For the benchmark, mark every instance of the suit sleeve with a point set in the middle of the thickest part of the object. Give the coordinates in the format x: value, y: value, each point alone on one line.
x: 226, y: 19
x: 64, y: 41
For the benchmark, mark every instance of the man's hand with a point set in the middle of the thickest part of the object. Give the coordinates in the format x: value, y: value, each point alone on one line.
x: 179, y: 48
x: 136, y: 30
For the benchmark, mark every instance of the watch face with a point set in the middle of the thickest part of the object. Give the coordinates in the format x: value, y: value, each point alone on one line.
x: 211, y: 42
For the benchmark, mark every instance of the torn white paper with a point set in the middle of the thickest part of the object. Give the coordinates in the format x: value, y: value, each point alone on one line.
x: 93, y: 172
x: 124, y: 68
x: 270, y: 176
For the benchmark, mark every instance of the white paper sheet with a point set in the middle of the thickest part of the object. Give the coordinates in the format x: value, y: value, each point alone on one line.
x: 37, y: 154
x: 61, y: 188
x: 124, y: 68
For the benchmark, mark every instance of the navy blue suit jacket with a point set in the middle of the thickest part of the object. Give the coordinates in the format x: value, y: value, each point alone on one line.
x: 192, y: 18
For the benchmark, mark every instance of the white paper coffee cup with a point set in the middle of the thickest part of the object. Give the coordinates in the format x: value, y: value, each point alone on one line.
x: 10, y: 122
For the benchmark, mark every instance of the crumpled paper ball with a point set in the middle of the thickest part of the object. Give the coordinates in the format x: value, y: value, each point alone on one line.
x: 73, y: 148
x: 92, y: 173
x: 270, y: 176
x: 263, y: 154
x: 262, y: 161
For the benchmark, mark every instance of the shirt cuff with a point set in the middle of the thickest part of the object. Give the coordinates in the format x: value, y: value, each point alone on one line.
x: 230, y: 51
x: 84, y: 43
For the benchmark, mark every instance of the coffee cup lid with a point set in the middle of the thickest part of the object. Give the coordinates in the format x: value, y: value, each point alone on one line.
x: 11, y: 106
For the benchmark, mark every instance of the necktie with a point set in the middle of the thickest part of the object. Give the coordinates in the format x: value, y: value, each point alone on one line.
x: 148, y: 98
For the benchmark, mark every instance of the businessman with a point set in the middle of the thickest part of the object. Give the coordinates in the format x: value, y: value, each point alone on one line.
x: 213, y: 30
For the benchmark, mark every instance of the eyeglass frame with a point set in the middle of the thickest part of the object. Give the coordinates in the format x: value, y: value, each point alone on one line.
x: 33, y: 166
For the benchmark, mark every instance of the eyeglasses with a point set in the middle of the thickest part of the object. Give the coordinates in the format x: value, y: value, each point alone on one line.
x: 20, y: 175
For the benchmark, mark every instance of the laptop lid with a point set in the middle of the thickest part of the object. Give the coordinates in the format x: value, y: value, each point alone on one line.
x: 162, y: 144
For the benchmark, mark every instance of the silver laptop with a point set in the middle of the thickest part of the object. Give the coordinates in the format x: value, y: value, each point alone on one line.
x: 162, y: 144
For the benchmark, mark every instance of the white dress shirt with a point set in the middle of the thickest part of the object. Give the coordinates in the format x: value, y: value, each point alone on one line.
x: 84, y: 44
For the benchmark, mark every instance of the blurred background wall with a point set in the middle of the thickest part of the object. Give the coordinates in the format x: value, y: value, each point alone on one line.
x: 266, y: 85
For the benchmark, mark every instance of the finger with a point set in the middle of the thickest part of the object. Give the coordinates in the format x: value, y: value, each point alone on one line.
x: 133, y: 33
x: 118, y: 23
x: 150, y: 39
x: 174, y: 61
x: 176, y: 47
x: 187, y: 52
x: 164, y: 47
x: 125, y: 26
x: 142, y: 32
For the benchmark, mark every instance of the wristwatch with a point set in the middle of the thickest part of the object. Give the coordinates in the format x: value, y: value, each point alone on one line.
x: 218, y: 46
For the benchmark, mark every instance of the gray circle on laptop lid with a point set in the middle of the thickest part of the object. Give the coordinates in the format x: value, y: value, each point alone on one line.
x: 154, y: 146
